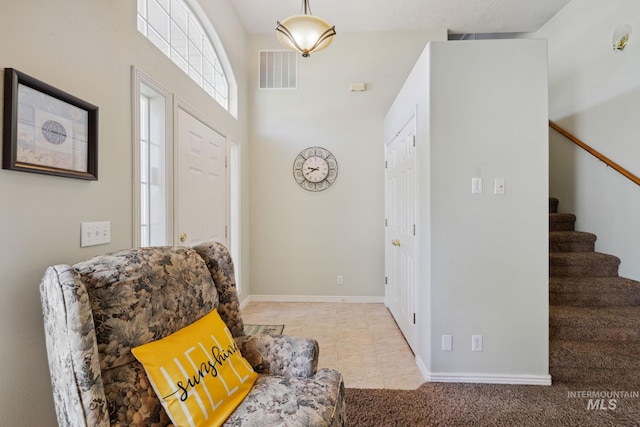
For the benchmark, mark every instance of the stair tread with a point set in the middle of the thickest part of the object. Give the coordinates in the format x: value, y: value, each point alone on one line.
x: 583, y: 264
x: 561, y: 216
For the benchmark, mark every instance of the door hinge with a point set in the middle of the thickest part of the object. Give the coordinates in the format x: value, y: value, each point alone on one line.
x: 386, y: 280
x: 386, y: 222
x: 226, y: 232
x: 385, y: 164
x: 226, y: 162
x: 414, y: 318
x: 414, y: 229
x: 414, y: 140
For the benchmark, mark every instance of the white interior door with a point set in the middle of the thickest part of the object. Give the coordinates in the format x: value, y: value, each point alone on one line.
x: 400, y: 244
x: 201, y: 182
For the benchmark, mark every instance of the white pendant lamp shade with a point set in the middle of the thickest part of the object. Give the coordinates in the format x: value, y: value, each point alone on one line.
x: 305, y: 33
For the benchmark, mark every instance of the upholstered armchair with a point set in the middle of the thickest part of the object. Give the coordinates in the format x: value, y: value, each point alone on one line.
x: 96, y: 311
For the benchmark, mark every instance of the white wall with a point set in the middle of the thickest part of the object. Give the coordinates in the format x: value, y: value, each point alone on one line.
x: 301, y: 241
x: 593, y: 93
x: 86, y: 49
x: 482, y: 112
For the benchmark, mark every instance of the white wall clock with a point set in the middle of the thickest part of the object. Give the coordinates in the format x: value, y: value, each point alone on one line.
x: 315, y: 169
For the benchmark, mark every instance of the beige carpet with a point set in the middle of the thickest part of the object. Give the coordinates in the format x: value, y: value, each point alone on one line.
x: 453, y: 404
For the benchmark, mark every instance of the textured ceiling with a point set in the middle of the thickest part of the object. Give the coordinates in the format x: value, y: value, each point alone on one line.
x: 457, y: 16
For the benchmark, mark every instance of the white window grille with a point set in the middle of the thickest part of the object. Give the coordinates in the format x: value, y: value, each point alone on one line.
x: 178, y: 32
x: 153, y: 183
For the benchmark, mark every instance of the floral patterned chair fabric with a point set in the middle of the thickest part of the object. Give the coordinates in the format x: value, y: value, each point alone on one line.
x: 97, y: 310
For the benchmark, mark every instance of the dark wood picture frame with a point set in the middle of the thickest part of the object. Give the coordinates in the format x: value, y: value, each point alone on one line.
x: 48, y: 131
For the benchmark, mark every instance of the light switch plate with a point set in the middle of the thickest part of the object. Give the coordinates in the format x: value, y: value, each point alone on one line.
x: 476, y: 185
x: 95, y: 233
x: 476, y: 342
x: 499, y: 186
x: 447, y: 343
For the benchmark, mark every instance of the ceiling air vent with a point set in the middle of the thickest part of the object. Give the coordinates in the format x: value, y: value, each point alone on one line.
x: 278, y: 69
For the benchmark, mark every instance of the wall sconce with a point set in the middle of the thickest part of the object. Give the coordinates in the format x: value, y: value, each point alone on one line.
x: 621, y: 36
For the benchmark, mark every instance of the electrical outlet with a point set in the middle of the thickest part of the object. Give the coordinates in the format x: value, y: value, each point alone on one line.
x: 476, y: 342
x: 447, y: 343
x: 340, y: 280
x: 499, y: 186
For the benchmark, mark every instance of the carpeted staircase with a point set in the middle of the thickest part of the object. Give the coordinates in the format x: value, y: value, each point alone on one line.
x: 594, y: 315
x: 594, y: 330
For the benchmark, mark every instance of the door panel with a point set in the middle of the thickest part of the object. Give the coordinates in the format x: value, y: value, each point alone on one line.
x: 400, y: 243
x: 201, y: 188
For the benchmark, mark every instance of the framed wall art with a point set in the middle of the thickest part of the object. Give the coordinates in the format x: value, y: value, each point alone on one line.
x: 47, y: 130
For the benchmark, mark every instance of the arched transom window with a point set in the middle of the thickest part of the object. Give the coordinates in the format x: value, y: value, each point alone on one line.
x: 174, y: 27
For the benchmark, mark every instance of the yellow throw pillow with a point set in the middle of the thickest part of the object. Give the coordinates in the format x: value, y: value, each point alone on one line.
x: 198, y: 372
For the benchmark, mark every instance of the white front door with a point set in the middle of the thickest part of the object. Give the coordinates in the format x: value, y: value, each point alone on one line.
x: 201, y: 209
x: 400, y: 246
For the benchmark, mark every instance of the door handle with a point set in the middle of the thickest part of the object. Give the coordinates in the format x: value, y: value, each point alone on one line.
x: 395, y: 242
x: 183, y: 237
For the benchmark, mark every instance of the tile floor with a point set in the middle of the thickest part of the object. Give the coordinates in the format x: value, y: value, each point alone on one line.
x: 362, y: 341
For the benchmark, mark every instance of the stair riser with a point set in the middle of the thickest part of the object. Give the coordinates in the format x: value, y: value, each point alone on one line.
x: 583, y: 375
x: 582, y: 362
x: 594, y: 334
x: 571, y: 241
x: 594, y: 292
x: 581, y: 270
x: 594, y: 300
x: 571, y: 246
x: 561, y: 222
x: 561, y: 226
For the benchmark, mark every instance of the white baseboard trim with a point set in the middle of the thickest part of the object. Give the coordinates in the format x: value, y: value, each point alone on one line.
x: 455, y: 377
x: 244, y: 302
x: 490, y: 378
x: 422, y: 368
x: 310, y: 298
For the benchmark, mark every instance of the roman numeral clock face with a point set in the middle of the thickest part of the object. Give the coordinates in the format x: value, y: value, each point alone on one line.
x: 315, y: 169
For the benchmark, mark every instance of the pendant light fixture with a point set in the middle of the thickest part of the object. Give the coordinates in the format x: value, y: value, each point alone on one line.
x: 305, y: 33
